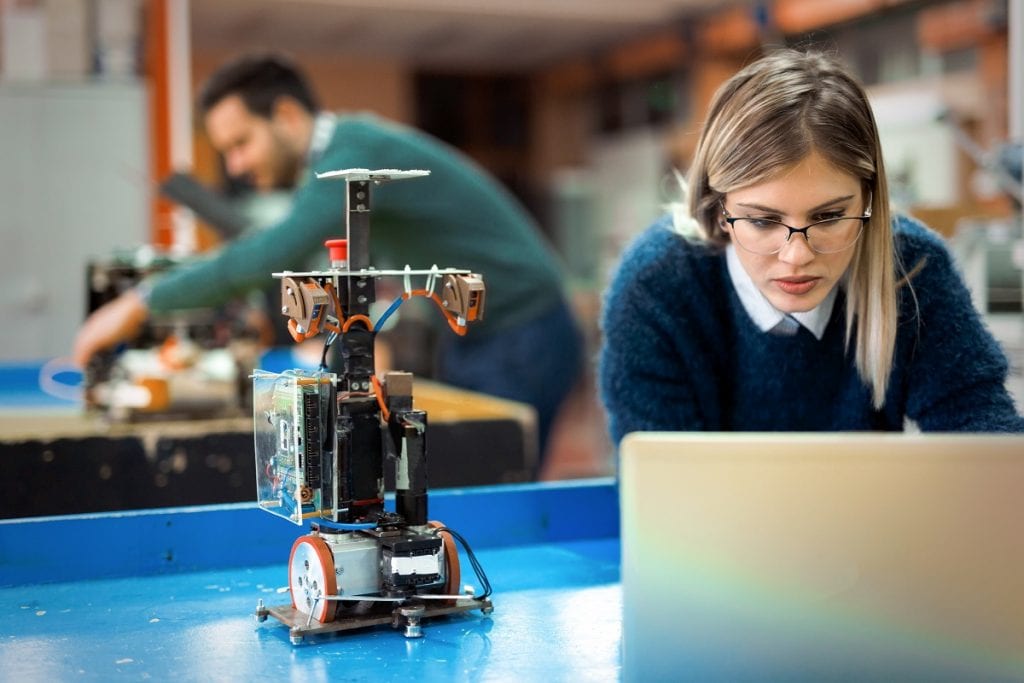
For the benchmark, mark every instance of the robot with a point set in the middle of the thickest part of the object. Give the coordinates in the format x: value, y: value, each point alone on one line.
x: 322, y: 439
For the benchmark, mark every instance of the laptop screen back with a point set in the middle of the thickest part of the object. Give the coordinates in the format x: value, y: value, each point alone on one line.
x: 822, y: 556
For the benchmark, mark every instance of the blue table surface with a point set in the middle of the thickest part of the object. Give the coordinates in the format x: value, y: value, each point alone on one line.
x: 171, y: 595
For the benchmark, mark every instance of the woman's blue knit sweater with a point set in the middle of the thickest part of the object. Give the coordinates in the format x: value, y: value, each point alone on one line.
x: 681, y: 353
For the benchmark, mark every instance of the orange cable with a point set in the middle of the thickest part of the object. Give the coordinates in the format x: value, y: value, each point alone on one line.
x: 452, y: 320
x: 379, y: 391
x: 357, y: 318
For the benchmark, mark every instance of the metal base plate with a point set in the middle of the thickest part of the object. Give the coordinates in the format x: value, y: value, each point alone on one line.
x: 366, y: 614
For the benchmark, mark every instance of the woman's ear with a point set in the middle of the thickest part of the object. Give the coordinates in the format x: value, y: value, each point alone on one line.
x: 720, y: 213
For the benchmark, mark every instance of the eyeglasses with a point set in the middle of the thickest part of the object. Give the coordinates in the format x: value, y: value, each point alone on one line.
x: 765, y: 237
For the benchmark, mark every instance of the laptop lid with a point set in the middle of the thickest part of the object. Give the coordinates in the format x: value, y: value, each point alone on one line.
x: 750, y: 556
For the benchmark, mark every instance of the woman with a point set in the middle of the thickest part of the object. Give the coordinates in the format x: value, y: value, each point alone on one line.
x: 783, y: 295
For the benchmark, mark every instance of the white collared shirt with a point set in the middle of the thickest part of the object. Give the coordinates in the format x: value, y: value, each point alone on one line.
x: 766, y: 316
x: 323, y: 131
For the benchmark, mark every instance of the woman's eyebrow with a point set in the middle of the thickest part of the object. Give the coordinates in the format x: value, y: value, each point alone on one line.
x: 768, y: 209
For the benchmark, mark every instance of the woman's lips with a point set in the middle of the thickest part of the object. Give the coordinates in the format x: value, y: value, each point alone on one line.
x: 796, y: 285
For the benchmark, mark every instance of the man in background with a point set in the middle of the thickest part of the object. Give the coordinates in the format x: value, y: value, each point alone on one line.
x: 262, y: 116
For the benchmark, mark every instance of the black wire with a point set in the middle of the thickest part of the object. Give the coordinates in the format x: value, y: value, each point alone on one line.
x: 323, y: 356
x: 477, y: 567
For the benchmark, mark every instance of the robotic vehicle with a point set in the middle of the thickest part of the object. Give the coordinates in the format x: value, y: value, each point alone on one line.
x: 322, y: 439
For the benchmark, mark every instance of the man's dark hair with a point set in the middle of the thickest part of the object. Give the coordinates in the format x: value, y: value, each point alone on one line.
x: 259, y: 79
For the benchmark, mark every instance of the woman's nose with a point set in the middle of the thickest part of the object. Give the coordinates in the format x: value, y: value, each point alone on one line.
x: 797, y: 250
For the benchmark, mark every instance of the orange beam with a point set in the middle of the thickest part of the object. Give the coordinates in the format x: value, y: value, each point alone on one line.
x: 647, y: 56
x: 729, y: 31
x: 157, y: 73
x: 954, y: 26
x: 799, y: 16
x: 577, y: 76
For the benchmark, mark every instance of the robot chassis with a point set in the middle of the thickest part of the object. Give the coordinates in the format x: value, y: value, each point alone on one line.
x: 322, y: 438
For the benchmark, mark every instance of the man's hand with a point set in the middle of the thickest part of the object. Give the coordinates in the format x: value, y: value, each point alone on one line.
x: 110, y: 324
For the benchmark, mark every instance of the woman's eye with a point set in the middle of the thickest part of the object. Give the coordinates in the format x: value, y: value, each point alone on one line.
x: 828, y: 216
x: 763, y: 223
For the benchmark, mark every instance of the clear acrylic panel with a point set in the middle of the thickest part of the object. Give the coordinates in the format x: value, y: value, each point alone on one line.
x: 288, y: 411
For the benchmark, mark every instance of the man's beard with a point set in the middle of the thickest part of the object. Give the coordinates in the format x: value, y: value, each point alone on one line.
x: 286, y: 173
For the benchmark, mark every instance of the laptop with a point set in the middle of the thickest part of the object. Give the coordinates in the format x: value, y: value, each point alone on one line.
x: 849, y: 556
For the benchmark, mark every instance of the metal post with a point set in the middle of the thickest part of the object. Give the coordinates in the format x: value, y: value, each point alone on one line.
x: 357, y: 224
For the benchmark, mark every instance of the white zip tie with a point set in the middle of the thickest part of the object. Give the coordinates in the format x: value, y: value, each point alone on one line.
x: 432, y: 278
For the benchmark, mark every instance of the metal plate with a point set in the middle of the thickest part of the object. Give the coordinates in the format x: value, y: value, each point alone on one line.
x: 366, y: 614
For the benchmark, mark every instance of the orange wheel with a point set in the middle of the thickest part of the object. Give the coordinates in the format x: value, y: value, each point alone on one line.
x: 451, y: 556
x: 311, y: 575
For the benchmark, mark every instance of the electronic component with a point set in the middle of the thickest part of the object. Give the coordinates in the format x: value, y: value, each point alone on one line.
x: 464, y: 296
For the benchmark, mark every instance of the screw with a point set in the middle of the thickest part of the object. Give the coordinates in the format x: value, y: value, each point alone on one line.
x: 412, y: 621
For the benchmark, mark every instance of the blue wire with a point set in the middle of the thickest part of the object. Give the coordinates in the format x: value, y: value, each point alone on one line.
x: 387, y: 314
x: 340, y: 526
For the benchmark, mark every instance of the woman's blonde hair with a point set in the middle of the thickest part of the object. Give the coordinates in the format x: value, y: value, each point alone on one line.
x: 767, y: 118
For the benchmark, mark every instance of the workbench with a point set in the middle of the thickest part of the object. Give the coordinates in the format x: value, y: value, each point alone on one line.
x: 475, y: 439
x: 170, y: 594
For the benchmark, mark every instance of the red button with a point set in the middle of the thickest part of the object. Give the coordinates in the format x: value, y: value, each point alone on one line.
x: 338, y: 249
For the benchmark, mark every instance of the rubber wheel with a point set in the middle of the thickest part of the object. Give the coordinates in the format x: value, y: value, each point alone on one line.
x: 310, y: 575
x: 451, y: 557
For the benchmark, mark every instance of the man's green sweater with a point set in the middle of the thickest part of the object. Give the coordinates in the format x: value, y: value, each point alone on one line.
x: 458, y: 216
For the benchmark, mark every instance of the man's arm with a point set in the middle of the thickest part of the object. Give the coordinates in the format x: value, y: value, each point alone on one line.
x: 316, y: 214
x: 110, y: 324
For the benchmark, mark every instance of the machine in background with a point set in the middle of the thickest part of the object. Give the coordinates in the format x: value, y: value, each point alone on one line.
x: 187, y: 364
x: 322, y: 439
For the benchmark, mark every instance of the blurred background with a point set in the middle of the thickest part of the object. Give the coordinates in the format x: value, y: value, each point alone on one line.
x: 581, y: 107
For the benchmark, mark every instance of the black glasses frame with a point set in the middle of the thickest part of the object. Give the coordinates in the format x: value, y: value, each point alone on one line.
x: 803, y: 231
